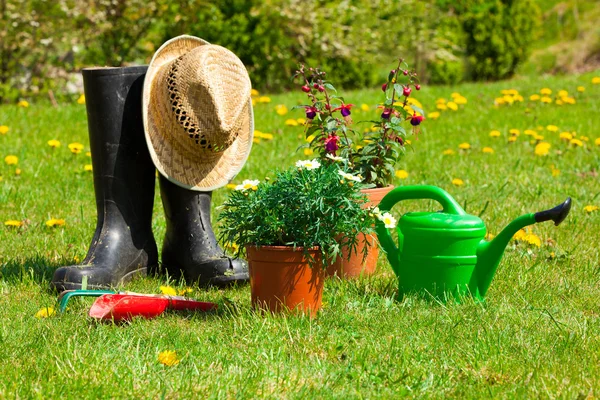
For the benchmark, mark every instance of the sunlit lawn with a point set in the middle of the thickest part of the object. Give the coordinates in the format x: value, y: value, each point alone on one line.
x: 537, y: 335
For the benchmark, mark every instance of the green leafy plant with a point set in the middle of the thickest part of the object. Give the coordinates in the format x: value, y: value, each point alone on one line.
x: 331, y: 135
x: 313, y: 204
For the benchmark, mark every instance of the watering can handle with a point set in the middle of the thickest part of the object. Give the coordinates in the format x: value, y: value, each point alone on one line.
x: 416, y: 192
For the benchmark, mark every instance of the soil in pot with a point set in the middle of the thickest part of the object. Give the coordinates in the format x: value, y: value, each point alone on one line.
x: 281, y: 278
x: 356, y: 265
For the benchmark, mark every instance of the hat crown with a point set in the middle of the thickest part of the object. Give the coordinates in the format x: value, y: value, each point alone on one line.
x: 209, y: 89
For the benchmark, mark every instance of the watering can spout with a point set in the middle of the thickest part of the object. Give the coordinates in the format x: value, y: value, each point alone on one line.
x: 490, y: 253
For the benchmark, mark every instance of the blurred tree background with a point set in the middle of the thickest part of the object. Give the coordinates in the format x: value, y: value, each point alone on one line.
x: 45, y: 43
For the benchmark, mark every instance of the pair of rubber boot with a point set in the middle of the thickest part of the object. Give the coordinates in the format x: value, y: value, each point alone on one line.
x: 123, y: 245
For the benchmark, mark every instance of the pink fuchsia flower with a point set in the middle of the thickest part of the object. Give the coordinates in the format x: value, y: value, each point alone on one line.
x: 387, y: 112
x: 344, y: 109
x: 331, y: 143
x: 416, y: 120
x: 311, y: 112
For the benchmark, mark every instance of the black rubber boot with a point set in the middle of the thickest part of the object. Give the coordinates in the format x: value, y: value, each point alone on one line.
x: 190, y: 249
x: 124, y: 177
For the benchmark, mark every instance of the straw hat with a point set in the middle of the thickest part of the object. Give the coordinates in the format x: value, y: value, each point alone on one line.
x: 197, y: 113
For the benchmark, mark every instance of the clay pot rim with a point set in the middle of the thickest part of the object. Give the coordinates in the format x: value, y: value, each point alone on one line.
x: 282, y: 248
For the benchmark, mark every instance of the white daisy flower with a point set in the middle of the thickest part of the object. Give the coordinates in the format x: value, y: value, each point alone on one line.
x: 248, y: 184
x: 335, y: 158
x: 308, y: 164
x: 388, y: 220
x: 348, y: 176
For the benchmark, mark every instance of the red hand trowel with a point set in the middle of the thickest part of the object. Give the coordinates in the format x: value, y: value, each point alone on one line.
x: 123, y: 307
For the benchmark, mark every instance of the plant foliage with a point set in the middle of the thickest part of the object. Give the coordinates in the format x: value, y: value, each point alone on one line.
x: 300, y: 207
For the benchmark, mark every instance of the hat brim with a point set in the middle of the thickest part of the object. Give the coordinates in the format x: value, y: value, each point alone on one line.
x: 169, y: 160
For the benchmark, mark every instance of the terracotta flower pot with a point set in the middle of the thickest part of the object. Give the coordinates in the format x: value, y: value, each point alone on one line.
x: 355, y: 266
x: 282, y: 279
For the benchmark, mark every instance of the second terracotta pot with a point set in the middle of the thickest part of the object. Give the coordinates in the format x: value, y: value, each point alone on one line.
x: 281, y: 278
x: 356, y: 265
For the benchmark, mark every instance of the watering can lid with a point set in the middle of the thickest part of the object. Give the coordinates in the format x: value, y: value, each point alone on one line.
x: 439, y: 221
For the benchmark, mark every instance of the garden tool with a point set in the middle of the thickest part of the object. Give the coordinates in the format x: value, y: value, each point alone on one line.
x: 124, y: 177
x: 445, y: 253
x: 123, y: 307
x: 199, y: 124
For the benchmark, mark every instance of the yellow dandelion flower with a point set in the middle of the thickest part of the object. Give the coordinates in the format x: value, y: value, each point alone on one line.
x: 514, y: 132
x: 552, y: 128
x: 455, y: 94
x: 555, y: 171
x: 457, y: 182
x: 11, y: 160
x: 401, y: 174
x: 530, y: 132
x: 508, y: 99
x: 434, y: 115
x: 168, y: 291
x: 291, y: 122
x: 18, y: 171
x: 542, y: 149
x: 88, y: 153
x: 256, y: 140
x: 538, y: 137
x: 546, y: 99
x: 499, y: 101
x: 512, y: 139
x: 253, y: 101
x: 254, y: 92
x: 534, y: 97
x: 488, y: 150
x: 576, y: 142
x: 442, y: 106
x: 580, y: 89
x: 505, y: 92
x: 55, y: 222
x: 546, y: 91
x: 23, y: 103
x: 563, y: 93
x: 13, y: 223
x: 460, y: 100
x: 584, y: 138
x: 565, y: 136
x: 187, y: 290
x: 281, y: 109
x: 569, y: 100
x: 81, y: 99
x: 464, y: 146
x: 45, y: 312
x: 440, y: 101
x: 75, y: 147
x: 520, y: 235
x: 513, y: 92
x: 4, y: 129
x: 597, y: 142
x: 518, y: 98
x: 495, y: 133
x: 407, y: 141
x: 591, y: 208
x: 308, y: 151
x: 301, y: 121
x: 87, y: 168
x: 264, y: 99
x: 533, y: 239
x: 53, y: 143
x: 231, y: 186
x: 365, y: 107
x: 168, y: 358
x: 452, y: 105
x: 448, y: 152
x: 596, y: 80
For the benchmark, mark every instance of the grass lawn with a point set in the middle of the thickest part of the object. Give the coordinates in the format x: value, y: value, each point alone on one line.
x: 537, y: 335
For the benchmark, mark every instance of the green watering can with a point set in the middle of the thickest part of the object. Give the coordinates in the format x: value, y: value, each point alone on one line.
x: 446, y: 252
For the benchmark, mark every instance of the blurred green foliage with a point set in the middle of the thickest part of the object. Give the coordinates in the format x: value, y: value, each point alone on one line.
x: 44, y: 44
